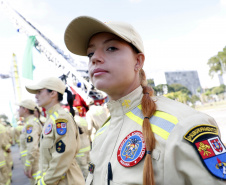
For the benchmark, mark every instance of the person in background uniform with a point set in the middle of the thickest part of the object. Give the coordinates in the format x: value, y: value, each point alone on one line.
x: 7, y: 153
x: 32, y: 132
x: 18, y: 131
x: 95, y: 116
x: 22, y: 143
x: 60, y: 138
x: 148, y: 140
x: 82, y: 157
x: 4, y: 150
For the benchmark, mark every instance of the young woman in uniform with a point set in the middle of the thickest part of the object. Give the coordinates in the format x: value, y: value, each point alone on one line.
x: 147, y: 140
x: 59, y: 141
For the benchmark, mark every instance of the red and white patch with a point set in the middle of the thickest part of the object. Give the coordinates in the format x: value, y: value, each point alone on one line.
x: 132, y: 149
x: 48, y: 129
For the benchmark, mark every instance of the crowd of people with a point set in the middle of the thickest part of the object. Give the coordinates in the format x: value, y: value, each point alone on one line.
x: 147, y: 139
x: 58, y: 150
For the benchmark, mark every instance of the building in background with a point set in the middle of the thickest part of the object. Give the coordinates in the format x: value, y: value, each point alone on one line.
x: 189, y: 79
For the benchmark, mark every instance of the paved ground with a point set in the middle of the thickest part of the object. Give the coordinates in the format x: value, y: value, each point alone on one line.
x: 18, y: 177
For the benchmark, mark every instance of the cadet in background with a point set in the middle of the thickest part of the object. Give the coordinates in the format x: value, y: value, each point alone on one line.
x: 59, y: 142
x: 82, y: 157
x: 31, y: 137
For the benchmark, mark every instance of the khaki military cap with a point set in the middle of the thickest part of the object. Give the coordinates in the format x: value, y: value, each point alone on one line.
x: 29, y: 104
x: 51, y: 83
x: 81, y: 29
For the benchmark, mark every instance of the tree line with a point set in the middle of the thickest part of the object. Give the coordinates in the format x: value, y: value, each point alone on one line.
x: 182, y: 94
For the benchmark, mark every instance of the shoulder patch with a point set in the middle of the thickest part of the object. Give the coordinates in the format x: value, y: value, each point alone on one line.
x: 60, y: 146
x: 132, y: 149
x: 48, y: 129
x: 29, y: 129
x: 29, y: 139
x: 61, y: 126
x: 210, y: 148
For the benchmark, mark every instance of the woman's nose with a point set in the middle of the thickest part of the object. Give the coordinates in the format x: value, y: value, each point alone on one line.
x: 97, y: 57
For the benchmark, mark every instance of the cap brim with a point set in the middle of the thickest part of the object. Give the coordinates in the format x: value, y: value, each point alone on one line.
x: 33, y: 89
x: 79, y: 32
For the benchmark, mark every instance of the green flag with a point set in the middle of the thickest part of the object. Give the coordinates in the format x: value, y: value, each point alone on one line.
x: 27, y: 68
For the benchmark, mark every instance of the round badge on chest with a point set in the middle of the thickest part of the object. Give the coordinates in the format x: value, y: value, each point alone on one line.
x: 132, y: 149
x: 48, y: 129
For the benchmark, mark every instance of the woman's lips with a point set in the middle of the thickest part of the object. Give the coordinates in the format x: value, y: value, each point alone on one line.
x: 98, y: 72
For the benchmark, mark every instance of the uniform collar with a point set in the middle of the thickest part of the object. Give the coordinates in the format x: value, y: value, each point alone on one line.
x: 28, y: 118
x: 52, y: 109
x: 126, y: 103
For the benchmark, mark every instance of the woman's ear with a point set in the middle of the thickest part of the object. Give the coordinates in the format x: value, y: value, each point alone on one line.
x: 139, y: 61
x: 54, y: 93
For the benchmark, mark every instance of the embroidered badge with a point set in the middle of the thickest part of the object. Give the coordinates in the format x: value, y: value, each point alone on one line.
x: 60, y: 146
x: 132, y: 149
x: 61, y: 125
x: 48, y: 129
x: 29, y: 139
x: 29, y: 129
x: 211, y: 150
x: 91, y: 167
x: 126, y: 103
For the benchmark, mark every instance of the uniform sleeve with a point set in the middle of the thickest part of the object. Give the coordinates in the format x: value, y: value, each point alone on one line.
x: 90, y: 123
x: 182, y: 162
x: 5, y: 141
x: 64, y: 150
x: 32, y: 141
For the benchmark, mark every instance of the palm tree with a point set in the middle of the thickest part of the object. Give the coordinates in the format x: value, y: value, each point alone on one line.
x: 217, y: 63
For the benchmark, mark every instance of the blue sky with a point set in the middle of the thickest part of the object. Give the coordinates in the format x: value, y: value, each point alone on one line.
x: 177, y: 35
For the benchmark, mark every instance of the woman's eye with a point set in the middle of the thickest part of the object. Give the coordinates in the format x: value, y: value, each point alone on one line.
x: 112, y: 49
x: 90, y: 55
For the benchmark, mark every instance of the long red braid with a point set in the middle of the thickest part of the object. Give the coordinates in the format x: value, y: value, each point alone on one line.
x: 148, y: 109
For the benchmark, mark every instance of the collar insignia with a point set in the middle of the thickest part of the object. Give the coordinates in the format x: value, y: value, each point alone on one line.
x: 126, y: 103
x: 211, y: 150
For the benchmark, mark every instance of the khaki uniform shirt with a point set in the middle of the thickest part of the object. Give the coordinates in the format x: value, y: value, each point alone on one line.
x: 58, y: 147
x: 2, y: 146
x: 175, y: 161
x: 23, y: 146
x: 95, y: 117
x: 82, y: 157
x: 33, y: 132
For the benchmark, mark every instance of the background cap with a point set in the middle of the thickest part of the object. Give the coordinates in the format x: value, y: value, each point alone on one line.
x: 29, y: 104
x: 81, y: 29
x: 51, y: 83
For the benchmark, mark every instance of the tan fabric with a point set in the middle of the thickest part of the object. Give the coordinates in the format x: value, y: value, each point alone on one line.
x: 95, y: 116
x: 52, y: 83
x: 23, y: 145
x: 175, y: 161
x: 18, y: 131
x: 83, y: 157
x: 77, y: 40
x: 3, y: 167
x: 33, y: 146
x: 53, y: 164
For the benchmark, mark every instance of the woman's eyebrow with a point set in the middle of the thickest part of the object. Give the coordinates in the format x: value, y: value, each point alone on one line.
x: 106, y: 41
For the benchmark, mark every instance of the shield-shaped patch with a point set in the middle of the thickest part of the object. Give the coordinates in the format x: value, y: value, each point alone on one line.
x: 61, y: 125
x: 211, y: 150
